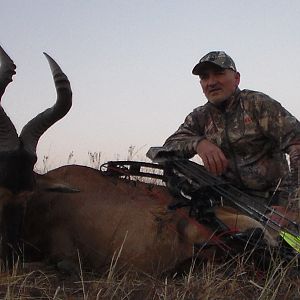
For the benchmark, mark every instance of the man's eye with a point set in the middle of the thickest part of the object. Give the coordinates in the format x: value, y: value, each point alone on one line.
x: 203, y: 77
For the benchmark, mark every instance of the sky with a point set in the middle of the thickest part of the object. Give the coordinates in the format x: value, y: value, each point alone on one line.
x: 129, y: 64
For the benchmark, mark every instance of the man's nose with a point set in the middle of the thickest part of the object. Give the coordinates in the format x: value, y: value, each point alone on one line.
x: 212, y: 80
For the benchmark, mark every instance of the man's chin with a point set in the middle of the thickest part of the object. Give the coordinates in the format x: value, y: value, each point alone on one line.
x: 216, y: 100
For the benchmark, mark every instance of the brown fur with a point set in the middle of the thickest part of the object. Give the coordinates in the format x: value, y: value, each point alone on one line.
x: 111, y: 215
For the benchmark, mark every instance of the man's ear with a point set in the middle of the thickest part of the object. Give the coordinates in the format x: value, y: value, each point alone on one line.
x: 237, y: 78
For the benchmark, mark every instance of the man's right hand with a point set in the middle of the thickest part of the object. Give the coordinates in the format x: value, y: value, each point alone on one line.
x: 212, y: 156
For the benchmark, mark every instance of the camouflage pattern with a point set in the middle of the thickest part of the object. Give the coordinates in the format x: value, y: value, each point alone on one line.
x: 219, y: 58
x: 254, y: 132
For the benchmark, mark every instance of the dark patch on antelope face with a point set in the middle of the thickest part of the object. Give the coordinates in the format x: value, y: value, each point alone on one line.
x: 16, y: 170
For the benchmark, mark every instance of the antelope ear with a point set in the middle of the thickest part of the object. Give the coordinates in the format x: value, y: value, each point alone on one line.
x: 51, y: 185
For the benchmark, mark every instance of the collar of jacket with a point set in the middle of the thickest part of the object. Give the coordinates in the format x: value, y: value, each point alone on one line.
x: 229, y: 104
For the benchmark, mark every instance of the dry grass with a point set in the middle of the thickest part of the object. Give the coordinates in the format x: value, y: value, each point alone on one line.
x: 231, y: 280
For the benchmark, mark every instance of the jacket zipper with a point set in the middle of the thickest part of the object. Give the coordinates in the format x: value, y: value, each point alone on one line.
x: 232, y: 153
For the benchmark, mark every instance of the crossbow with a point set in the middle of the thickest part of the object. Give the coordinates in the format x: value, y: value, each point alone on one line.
x: 197, y: 178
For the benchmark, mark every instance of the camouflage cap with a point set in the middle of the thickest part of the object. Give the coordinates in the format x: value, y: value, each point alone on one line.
x: 219, y: 58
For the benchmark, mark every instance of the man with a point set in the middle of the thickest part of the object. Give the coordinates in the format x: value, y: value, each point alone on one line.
x: 241, y: 135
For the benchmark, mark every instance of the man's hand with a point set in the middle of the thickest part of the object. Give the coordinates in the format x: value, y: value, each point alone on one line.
x: 212, y: 156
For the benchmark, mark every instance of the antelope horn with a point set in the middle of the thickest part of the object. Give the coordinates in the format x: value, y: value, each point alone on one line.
x: 8, y: 135
x: 34, y: 129
x: 7, y: 70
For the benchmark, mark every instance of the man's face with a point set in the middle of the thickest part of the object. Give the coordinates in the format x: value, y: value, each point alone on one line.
x: 218, y: 84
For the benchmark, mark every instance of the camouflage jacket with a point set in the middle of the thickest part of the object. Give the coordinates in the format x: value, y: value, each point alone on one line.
x: 254, y: 132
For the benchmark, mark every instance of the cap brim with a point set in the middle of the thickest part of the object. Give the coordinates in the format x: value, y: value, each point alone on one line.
x: 198, y: 69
